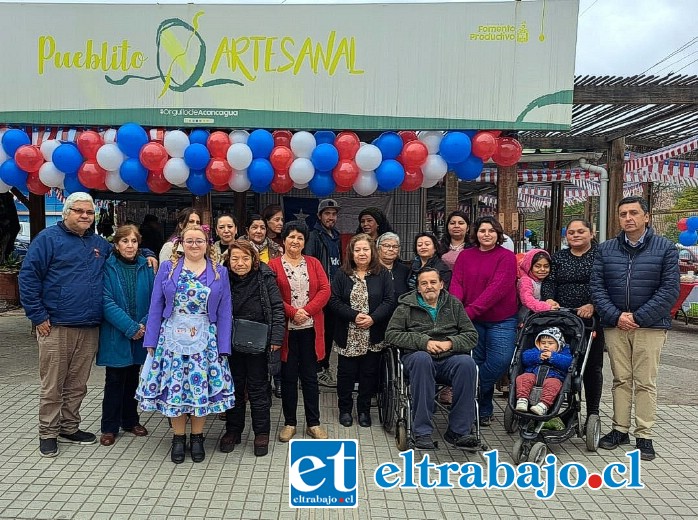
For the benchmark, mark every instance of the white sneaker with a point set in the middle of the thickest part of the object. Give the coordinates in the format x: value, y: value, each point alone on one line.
x: 539, y: 409
x: 522, y: 405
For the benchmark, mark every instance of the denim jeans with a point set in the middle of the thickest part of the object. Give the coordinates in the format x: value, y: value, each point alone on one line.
x: 493, y: 353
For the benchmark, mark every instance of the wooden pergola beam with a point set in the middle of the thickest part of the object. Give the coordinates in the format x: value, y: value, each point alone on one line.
x: 635, y: 94
x: 564, y: 142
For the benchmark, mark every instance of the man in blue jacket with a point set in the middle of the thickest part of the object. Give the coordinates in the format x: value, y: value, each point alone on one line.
x: 634, y: 284
x: 60, y: 288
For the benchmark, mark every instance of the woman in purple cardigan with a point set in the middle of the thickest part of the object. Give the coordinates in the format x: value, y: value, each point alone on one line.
x: 484, y: 279
x: 187, y: 335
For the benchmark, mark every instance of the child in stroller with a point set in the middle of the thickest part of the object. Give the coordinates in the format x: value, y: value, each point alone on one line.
x: 549, y: 361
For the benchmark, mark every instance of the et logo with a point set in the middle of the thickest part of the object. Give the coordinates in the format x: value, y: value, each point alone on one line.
x: 323, y: 473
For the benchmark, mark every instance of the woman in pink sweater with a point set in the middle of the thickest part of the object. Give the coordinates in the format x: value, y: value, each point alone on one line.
x: 533, y: 269
x: 484, y: 279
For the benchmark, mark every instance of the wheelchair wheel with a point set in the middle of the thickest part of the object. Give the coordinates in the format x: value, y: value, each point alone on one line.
x: 401, y: 439
x: 511, y: 421
x: 387, y: 394
x: 538, y: 452
x: 593, y: 432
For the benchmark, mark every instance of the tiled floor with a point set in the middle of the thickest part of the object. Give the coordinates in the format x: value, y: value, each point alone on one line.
x: 135, y: 478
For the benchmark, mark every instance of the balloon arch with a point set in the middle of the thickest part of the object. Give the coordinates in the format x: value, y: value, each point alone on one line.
x: 201, y: 161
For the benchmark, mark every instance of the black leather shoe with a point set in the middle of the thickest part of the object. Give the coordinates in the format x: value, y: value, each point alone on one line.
x: 197, y: 447
x: 179, y: 443
x: 345, y: 419
x: 365, y: 419
x: 613, y: 439
x: 277, y: 392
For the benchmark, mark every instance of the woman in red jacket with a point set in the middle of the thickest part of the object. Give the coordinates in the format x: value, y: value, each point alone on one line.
x: 305, y: 290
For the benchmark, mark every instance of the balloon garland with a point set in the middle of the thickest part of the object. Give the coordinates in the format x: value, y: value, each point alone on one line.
x: 689, y: 230
x: 202, y: 161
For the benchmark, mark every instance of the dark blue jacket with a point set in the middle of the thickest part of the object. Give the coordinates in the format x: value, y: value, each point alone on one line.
x: 559, y: 362
x: 116, y: 348
x: 643, y: 280
x: 325, y: 247
x: 61, y: 277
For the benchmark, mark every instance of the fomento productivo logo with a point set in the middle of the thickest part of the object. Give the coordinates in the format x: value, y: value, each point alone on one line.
x: 544, y: 480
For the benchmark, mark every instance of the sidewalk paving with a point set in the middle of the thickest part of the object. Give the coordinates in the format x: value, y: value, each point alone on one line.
x: 135, y: 478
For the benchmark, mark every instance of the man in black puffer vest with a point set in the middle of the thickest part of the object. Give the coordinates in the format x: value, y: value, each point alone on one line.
x: 634, y: 284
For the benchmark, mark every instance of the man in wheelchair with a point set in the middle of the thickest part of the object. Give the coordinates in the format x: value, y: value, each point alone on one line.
x: 435, y: 335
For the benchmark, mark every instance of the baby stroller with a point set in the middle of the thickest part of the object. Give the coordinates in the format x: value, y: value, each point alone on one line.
x: 532, y: 444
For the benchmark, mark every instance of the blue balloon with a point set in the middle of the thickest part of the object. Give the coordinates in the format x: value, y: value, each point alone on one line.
x: 261, y: 143
x: 260, y: 189
x: 528, y: 233
x: 196, y: 156
x: 12, y: 175
x: 130, y: 138
x: 455, y: 147
x: 692, y: 223
x: 134, y: 174
x: 73, y: 185
x: 67, y: 158
x: 389, y: 175
x: 197, y: 182
x: 13, y: 139
x: 322, y: 184
x: 199, y: 136
x: 688, y: 238
x: 470, y: 169
x: 325, y: 137
x: 260, y: 172
x: 470, y: 133
x: 390, y: 145
x: 324, y: 157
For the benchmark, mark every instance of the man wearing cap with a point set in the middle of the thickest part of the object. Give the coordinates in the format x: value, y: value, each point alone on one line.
x: 325, y: 245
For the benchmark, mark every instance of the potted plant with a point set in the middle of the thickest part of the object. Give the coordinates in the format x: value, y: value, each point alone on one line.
x: 9, y: 283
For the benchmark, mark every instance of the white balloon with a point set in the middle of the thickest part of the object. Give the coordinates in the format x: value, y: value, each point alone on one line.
x: 429, y: 183
x: 303, y: 143
x: 4, y: 188
x: 183, y: 185
x: 431, y: 139
x: 239, y: 181
x: 114, y: 182
x: 175, y: 143
x: 3, y: 155
x: 110, y: 157
x: 435, y: 167
x: 239, y: 136
x: 301, y: 170
x: 369, y: 157
x: 109, y: 136
x: 176, y: 171
x: 239, y: 156
x: 47, y: 148
x: 50, y: 175
x: 300, y: 186
x: 366, y: 183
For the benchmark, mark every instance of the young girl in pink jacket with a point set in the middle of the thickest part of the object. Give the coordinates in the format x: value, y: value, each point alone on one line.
x: 533, y: 269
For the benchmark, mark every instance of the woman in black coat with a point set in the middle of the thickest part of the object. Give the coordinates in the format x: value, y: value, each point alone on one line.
x: 256, y: 298
x: 428, y: 254
x: 362, y: 301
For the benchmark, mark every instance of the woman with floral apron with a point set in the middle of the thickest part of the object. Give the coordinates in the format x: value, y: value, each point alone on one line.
x: 187, y: 337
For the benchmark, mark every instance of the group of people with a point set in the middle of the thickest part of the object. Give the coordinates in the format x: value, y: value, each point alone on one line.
x: 203, y: 330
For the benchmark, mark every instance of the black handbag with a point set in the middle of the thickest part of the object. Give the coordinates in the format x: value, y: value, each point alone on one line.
x: 250, y: 337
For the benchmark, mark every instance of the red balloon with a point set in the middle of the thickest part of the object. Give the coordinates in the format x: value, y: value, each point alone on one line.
x: 157, y: 183
x: 413, y: 179
x: 508, y: 151
x: 218, y: 172
x: 153, y: 156
x: 282, y: 183
x: 495, y: 133
x: 222, y: 187
x: 88, y: 143
x: 347, y: 144
x: 340, y: 189
x: 29, y: 158
x: 35, y: 185
x: 345, y: 173
x: 92, y: 175
x: 414, y: 154
x: 282, y: 138
x: 408, y: 136
x: 682, y: 224
x: 281, y: 158
x: 218, y: 144
x: 484, y: 144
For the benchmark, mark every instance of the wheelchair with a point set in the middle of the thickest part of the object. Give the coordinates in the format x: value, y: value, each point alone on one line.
x: 395, y: 402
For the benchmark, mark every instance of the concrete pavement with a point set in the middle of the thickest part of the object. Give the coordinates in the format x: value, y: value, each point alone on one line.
x: 135, y: 478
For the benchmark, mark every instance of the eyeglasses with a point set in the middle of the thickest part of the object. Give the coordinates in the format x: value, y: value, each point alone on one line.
x: 198, y: 242
x: 390, y: 246
x: 87, y: 212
